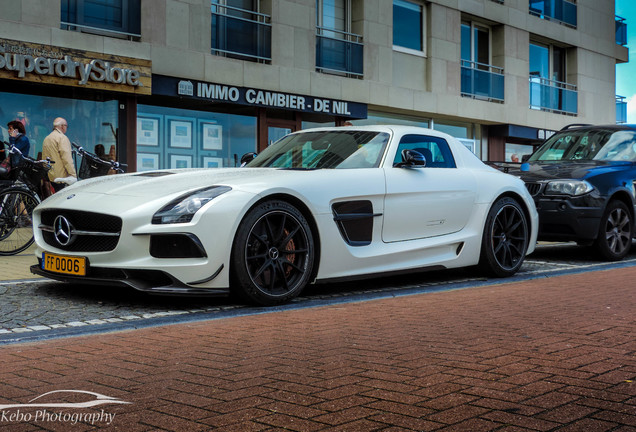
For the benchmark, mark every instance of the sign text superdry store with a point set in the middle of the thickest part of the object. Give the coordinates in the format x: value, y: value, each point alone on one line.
x: 168, y: 86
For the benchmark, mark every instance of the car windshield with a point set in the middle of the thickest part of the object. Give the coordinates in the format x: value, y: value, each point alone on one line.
x: 325, y: 149
x: 589, y: 144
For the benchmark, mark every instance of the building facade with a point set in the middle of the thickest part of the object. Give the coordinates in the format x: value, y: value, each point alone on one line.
x: 198, y: 83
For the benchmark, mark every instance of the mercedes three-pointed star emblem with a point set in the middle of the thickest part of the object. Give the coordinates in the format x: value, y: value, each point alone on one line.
x: 63, y: 231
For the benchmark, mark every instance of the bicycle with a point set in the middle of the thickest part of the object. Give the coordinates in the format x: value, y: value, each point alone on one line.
x: 94, y: 166
x: 19, y: 195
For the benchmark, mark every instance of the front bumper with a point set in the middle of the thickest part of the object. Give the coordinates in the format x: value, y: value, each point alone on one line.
x: 150, y: 281
x: 569, y: 219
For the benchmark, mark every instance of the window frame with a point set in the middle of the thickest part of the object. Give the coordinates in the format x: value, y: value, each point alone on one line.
x: 473, y: 25
x: 77, y: 8
x: 423, y: 16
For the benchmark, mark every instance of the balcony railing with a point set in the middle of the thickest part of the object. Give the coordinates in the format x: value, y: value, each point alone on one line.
x: 99, y: 31
x: 621, y: 109
x: 555, y: 96
x: 621, y: 31
x: 241, y: 33
x: 339, y: 52
x: 563, y: 11
x: 482, y: 81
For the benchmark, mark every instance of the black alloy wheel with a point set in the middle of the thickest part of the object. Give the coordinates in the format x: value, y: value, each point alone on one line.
x: 615, y: 233
x: 505, y: 238
x: 273, y: 254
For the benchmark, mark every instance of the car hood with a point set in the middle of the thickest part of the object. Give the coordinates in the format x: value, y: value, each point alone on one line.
x: 162, y: 183
x: 551, y: 170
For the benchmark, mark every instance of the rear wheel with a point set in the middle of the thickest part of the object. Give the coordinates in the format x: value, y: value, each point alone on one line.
x: 16, y: 227
x: 505, y: 239
x: 273, y: 254
x: 615, y: 232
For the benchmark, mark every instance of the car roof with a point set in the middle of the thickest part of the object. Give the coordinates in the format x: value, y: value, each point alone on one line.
x: 576, y: 126
x: 388, y: 128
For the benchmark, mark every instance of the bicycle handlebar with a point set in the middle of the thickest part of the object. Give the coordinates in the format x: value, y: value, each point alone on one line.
x: 114, y: 165
x: 14, y: 150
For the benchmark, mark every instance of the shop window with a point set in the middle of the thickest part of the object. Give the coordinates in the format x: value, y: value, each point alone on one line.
x: 179, y: 138
x: 240, y: 30
x: 117, y: 18
x: 91, y: 124
x: 408, y: 27
x: 516, y: 152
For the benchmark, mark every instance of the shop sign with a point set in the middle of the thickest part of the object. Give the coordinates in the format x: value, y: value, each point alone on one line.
x: 168, y: 86
x: 54, y: 65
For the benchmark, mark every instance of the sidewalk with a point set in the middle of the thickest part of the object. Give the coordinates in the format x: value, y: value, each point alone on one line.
x: 16, y: 267
x: 546, y: 354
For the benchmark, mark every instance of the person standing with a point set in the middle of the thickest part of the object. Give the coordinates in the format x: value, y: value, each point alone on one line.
x: 18, y: 138
x: 57, y: 146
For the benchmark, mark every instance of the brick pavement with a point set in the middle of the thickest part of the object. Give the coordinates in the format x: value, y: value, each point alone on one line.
x: 547, y: 354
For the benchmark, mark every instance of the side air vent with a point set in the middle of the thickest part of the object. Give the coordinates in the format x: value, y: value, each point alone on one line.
x: 355, y: 221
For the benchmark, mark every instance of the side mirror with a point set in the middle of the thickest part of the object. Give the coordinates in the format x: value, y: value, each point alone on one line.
x: 247, y: 158
x: 412, y: 158
x: 525, y: 157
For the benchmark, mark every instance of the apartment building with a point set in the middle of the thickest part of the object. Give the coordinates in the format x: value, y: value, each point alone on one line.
x: 198, y: 83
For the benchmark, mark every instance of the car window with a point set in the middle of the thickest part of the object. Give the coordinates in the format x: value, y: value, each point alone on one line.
x: 322, y: 150
x: 434, y: 149
x: 589, y: 144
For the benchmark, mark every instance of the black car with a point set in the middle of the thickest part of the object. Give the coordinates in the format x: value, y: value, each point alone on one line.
x: 583, y: 182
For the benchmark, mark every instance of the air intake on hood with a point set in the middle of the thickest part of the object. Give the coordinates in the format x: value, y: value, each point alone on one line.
x: 153, y: 174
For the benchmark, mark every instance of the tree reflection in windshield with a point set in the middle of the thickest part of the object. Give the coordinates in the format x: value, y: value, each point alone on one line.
x: 325, y: 149
x: 589, y: 144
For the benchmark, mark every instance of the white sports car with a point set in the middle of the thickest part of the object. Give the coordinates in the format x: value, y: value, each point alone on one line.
x: 318, y: 205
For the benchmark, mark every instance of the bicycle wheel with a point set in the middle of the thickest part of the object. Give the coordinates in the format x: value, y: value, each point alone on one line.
x: 16, y: 227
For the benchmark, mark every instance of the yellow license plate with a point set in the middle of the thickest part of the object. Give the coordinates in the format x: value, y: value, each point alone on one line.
x: 64, y: 264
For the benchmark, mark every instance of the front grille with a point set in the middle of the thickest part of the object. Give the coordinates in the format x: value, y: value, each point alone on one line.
x: 533, y: 188
x: 84, y: 221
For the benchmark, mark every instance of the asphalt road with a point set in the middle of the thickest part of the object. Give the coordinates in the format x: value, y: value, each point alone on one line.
x: 46, y: 309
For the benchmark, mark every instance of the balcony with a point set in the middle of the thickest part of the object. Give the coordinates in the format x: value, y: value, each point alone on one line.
x: 482, y: 81
x: 242, y: 34
x: 554, y: 96
x: 339, y: 53
x: 562, y: 11
x: 621, y: 109
x: 621, y: 31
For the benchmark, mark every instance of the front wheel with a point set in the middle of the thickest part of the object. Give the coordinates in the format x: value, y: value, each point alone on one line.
x: 273, y: 254
x: 505, y: 238
x: 615, y: 232
x: 16, y: 227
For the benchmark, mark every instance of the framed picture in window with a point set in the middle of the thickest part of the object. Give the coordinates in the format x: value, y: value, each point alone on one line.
x: 212, y: 162
x: 147, y: 161
x: 147, y: 131
x: 180, y: 134
x: 212, y: 135
x: 469, y: 144
x: 180, y: 161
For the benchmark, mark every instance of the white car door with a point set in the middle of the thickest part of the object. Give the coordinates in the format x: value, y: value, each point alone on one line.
x: 426, y: 201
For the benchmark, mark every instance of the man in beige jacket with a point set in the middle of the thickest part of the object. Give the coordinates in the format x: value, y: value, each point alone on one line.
x: 58, y: 147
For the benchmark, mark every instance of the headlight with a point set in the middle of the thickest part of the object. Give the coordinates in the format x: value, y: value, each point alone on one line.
x: 182, y: 209
x: 568, y: 187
